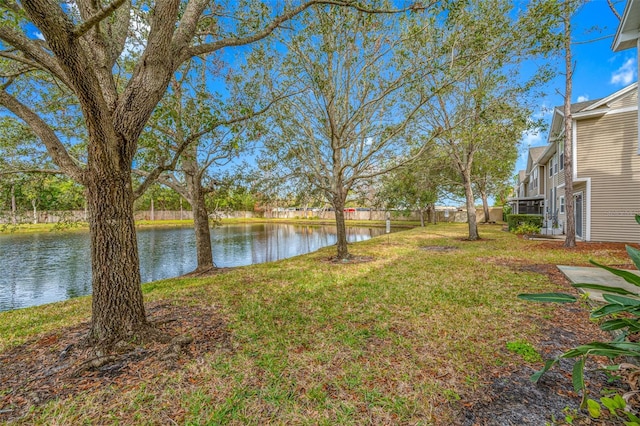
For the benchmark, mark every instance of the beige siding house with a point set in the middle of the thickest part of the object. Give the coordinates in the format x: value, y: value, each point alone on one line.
x: 628, y: 36
x: 606, y: 169
x: 606, y: 158
x: 529, y: 197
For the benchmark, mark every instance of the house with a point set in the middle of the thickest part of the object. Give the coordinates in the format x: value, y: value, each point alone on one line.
x: 628, y: 36
x: 530, y: 190
x: 606, y: 169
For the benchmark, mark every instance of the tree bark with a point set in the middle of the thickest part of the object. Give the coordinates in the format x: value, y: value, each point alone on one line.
x: 421, y: 217
x: 471, y: 208
x: 485, y: 206
x: 434, y: 213
x: 35, y: 211
x: 570, y: 230
x: 341, y: 229
x: 13, y: 205
x: 204, y: 252
x: 117, y: 304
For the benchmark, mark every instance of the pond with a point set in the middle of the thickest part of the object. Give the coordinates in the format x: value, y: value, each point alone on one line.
x: 48, y: 267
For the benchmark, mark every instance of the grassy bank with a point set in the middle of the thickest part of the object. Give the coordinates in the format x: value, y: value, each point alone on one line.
x: 82, y: 226
x: 404, y: 338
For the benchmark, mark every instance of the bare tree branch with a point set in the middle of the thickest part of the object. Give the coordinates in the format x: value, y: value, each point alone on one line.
x: 56, y: 149
x: 30, y: 48
x: 279, y: 20
x: 31, y: 171
x: 81, y: 29
x: 613, y: 9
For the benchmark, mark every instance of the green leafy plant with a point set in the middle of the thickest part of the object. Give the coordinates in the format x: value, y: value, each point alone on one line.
x: 527, y: 229
x: 617, y: 407
x: 623, y: 310
x: 525, y: 350
x: 515, y: 220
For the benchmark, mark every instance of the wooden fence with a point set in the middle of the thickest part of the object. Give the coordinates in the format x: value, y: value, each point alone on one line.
x: 449, y: 215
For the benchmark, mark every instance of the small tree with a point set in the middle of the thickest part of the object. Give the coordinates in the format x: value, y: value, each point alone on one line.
x: 486, y: 109
x: 191, y: 134
x: 360, y: 95
x: 414, y: 186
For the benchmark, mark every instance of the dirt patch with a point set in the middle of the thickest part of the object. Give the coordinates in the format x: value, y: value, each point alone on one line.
x: 510, y: 398
x: 56, y: 365
x: 467, y: 240
x: 206, y: 272
x: 351, y: 259
x: 439, y: 248
x: 586, y: 247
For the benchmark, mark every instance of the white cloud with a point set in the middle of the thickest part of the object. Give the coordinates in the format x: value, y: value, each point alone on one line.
x: 625, y: 74
x: 532, y: 137
x: 583, y: 98
x: 39, y: 35
x: 544, y: 111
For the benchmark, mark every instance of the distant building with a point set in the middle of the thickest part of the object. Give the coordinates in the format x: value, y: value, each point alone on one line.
x: 606, y: 171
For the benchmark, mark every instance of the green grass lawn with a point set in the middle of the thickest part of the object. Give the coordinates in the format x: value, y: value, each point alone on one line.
x: 401, y: 339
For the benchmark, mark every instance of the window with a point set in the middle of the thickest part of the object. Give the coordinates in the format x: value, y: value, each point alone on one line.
x: 562, y: 205
x: 561, y: 151
x: 551, y: 167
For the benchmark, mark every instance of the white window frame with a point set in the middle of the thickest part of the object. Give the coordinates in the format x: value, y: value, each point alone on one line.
x: 561, y: 154
x: 562, y: 204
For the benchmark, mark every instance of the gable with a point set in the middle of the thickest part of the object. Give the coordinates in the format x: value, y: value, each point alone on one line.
x: 628, y: 101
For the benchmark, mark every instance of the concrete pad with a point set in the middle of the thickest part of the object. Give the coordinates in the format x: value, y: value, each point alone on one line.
x: 593, y: 275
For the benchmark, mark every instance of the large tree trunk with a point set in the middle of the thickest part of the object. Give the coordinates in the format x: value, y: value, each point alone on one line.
x: 14, y: 212
x: 471, y: 208
x: 117, y: 305
x: 343, y: 251
x: 35, y: 211
x: 485, y: 206
x: 570, y: 230
x: 204, y: 252
x: 433, y: 214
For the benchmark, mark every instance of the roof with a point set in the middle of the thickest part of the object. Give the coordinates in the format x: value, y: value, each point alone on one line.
x: 536, y: 152
x: 534, y: 155
x: 587, y: 108
x: 629, y: 29
x: 577, y: 106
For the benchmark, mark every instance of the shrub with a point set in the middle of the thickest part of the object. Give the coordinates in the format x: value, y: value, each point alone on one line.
x: 515, y: 220
x: 506, y: 211
x: 622, y: 313
x: 526, y: 229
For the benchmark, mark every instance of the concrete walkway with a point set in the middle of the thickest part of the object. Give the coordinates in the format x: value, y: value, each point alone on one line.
x: 593, y: 275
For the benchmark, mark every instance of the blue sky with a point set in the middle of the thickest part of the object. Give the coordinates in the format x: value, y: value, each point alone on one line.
x: 599, y: 71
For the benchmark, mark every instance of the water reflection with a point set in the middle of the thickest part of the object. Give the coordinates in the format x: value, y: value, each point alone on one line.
x: 47, y: 267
